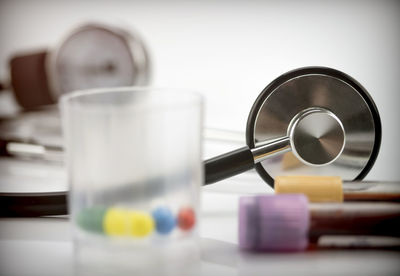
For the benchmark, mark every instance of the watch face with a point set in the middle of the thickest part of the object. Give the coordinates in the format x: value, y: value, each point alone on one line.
x: 94, y: 57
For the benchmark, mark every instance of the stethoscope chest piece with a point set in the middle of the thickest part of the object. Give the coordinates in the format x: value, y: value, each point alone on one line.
x: 325, y: 121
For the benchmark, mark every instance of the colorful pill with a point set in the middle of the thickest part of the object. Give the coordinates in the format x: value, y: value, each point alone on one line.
x: 91, y: 219
x: 186, y: 218
x: 164, y: 219
x: 142, y: 224
x: 115, y: 222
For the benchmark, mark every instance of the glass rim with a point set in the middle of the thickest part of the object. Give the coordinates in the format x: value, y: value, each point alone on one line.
x: 195, y: 96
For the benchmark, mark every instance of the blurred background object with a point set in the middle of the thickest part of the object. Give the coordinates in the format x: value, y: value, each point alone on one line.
x: 90, y: 56
x: 93, y: 55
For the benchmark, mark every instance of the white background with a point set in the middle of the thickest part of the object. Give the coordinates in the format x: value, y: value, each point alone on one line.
x: 230, y: 51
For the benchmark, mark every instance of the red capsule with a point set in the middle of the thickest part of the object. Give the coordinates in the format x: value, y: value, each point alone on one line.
x: 186, y: 218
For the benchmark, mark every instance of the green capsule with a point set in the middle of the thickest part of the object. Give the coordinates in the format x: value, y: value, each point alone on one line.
x: 91, y: 219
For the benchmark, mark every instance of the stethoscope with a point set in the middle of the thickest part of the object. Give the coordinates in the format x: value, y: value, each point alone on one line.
x: 312, y: 121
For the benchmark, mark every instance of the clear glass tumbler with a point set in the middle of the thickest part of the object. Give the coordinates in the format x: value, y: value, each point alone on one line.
x: 134, y: 169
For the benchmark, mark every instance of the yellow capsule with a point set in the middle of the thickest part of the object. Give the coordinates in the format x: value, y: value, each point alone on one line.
x: 142, y: 224
x: 115, y: 222
x: 316, y: 188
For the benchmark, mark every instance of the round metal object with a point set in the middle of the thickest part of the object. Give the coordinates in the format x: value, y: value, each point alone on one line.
x: 96, y: 55
x: 349, y: 107
x: 316, y: 136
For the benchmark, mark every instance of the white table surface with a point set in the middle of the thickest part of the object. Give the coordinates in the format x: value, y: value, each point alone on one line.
x: 43, y: 246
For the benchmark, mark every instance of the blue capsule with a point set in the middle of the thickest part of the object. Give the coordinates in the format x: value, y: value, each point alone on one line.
x: 165, y: 220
